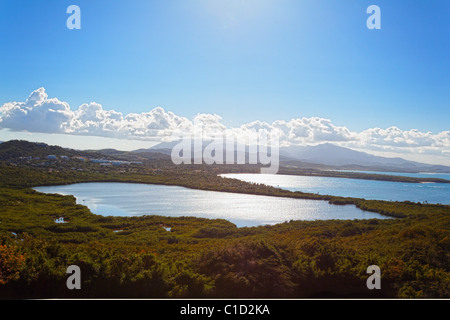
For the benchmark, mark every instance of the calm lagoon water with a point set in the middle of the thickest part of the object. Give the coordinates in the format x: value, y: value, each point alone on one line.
x: 357, y: 188
x: 128, y: 199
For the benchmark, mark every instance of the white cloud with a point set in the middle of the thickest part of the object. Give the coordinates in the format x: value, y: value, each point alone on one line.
x: 42, y: 114
x: 36, y: 114
x: 394, y: 136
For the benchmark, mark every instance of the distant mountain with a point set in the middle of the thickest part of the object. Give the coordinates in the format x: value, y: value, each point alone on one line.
x: 331, y: 155
x: 163, y: 147
x: 167, y: 147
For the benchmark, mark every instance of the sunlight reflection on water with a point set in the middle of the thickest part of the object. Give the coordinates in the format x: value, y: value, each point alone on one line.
x: 127, y: 199
x: 357, y: 188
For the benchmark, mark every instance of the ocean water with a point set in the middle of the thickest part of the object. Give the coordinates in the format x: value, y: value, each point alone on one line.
x: 445, y: 176
x: 128, y: 199
x: 358, y: 188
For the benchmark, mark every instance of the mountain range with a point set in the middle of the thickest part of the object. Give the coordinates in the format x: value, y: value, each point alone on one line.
x: 330, y: 156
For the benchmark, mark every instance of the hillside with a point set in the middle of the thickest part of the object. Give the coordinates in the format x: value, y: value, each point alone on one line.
x: 18, y: 149
x: 15, y: 149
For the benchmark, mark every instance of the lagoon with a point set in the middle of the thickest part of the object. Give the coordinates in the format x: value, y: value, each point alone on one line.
x: 129, y: 199
x: 356, y: 188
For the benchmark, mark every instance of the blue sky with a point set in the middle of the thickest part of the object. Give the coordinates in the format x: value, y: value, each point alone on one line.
x: 266, y: 59
x: 245, y: 60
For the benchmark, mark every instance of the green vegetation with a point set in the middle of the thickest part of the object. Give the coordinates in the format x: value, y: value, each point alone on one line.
x: 138, y: 257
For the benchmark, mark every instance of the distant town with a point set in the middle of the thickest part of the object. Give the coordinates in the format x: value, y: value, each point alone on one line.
x: 50, y: 159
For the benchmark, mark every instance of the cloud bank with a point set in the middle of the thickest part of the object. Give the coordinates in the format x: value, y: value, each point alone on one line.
x: 42, y: 114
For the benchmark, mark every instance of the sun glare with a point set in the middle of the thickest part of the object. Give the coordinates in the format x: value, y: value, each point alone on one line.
x: 236, y: 13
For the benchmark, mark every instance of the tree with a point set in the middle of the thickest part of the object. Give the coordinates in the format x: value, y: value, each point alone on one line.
x: 11, y: 262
